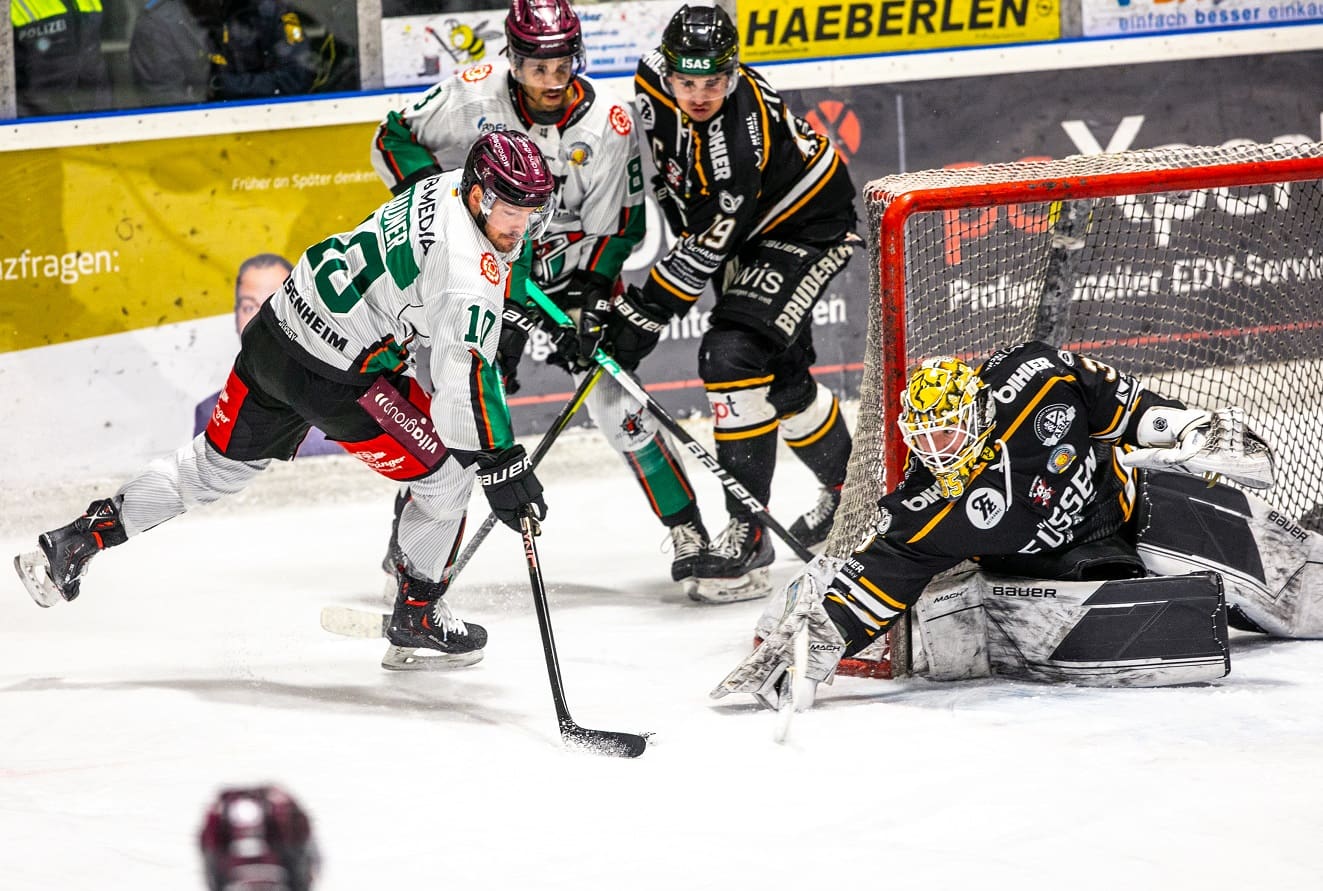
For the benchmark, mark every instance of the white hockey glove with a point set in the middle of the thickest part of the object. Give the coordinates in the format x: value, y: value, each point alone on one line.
x: 1202, y: 443
x: 775, y: 608
x: 765, y: 673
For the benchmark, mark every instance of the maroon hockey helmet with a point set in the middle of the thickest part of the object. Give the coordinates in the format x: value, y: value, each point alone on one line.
x: 258, y: 839
x: 544, y: 29
x: 508, y: 165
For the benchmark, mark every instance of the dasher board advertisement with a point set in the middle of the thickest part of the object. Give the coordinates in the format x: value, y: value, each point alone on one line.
x: 419, y: 50
x: 1112, y: 18
x: 775, y: 30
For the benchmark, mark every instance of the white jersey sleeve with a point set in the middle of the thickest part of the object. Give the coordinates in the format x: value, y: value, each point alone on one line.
x: 438, y: 130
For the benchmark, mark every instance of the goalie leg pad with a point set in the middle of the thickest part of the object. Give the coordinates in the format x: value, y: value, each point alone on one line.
x: 1148, y: 632
x: 1271, y: 566
x: 953, y: 627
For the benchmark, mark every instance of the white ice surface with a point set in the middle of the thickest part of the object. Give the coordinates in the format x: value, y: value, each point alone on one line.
x: 194, y: 659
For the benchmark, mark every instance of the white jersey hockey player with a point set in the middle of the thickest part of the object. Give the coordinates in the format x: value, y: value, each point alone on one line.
x: 334, y: 347
x: 591, y: 145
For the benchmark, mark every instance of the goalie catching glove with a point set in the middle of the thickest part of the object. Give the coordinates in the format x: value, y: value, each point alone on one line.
x: 766, y: 672
x: 512, y: 489
x: 1203, y: 443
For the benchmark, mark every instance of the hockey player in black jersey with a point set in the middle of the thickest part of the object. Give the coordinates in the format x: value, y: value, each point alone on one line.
x: 1028, y: 467
x: 763, y: 208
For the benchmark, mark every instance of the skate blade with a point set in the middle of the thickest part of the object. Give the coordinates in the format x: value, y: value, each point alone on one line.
x: 746, y: 587
x: 690, y: 587
x: 31, y: 569
x: 410, y: 659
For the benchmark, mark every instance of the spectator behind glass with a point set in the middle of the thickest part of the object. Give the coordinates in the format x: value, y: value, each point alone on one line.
x: 259, y: 277
x: 187, y: 51
x: 58, y: 64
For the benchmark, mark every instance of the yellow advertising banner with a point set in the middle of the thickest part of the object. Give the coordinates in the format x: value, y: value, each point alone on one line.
x: 811, y: 29
x: 108, y: 238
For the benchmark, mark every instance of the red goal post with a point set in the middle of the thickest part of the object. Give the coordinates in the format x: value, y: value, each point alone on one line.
x: 1199, y: 269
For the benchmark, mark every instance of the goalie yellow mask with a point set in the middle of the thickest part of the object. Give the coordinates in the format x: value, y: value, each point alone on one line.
x: 945, y: 420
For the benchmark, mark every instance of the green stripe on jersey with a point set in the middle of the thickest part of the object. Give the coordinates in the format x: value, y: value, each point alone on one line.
x: 396, y: 218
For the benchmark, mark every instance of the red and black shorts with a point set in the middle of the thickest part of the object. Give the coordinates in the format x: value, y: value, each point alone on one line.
x: 271, y: 399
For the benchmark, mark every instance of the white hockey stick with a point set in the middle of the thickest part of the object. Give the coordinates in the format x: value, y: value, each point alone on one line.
x: 799, y: 689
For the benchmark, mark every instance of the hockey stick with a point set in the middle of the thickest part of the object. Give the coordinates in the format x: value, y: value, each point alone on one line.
x: 601, y: 742
x: 635, y: 389
x: 560, y: 422
x: 350, y: 622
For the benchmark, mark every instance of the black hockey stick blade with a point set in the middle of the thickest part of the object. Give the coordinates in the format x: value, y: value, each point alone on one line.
x: 598, y: 742
x: 603, y: 742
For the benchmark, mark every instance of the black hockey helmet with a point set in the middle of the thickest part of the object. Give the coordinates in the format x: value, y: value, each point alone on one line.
x: 258, y: 839
x: 700, y: 40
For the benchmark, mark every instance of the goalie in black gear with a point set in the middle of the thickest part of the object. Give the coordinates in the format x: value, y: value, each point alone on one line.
x: 1027, y: 467
x: 763, y: 209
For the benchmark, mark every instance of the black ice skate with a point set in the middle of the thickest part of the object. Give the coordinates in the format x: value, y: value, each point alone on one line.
x: 53, y: 573
x: 688, y: 543
x: 422, y: 620
x: 813, y: 528
x: 735, y: 566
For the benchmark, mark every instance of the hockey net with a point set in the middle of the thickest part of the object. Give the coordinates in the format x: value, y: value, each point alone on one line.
x: 1200, y: 270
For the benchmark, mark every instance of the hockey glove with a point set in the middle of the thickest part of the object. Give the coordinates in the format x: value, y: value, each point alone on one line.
x: 515, y: 328
x: 591, y: 292
x: 635, y: 328
x: 512, y: 489
x: 1201, y: 443
x: 766, y: 673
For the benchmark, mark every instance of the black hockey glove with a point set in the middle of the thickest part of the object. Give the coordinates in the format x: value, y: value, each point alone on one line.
x: 512, y: 489
x: 635, y: 328
x: 591, y: 292
x: 515, y: 328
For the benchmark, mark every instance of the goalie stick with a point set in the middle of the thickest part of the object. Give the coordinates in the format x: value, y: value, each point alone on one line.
x: 601, y: 742
x: 349, y: 622
x: 635, y: 389
x: 799, y: 692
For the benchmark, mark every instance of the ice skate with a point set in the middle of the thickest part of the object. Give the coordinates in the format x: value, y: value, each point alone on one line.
x: 54, y: 573
x: 735, y: 566
x: 813, y: 527
x: 688, y: 544
x: 423, y: 621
